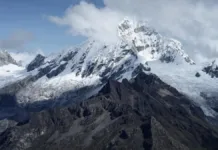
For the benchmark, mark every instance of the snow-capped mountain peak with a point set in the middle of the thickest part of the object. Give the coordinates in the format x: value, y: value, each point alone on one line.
x: 93, y: 62
x: 148, y: 43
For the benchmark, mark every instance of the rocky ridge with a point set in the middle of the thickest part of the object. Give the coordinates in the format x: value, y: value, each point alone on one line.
x: 143, y: 113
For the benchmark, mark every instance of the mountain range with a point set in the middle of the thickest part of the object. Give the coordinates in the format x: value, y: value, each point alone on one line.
x: 142, y: 92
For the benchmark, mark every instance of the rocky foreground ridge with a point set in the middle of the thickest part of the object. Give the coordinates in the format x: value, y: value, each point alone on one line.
x: 143, y: 113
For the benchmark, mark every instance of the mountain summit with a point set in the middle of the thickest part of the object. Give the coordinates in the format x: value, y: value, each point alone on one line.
x: 149, y: 44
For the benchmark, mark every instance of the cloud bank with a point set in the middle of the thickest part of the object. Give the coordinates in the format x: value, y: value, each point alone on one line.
x: 16, y: 41
x: 193, y: 22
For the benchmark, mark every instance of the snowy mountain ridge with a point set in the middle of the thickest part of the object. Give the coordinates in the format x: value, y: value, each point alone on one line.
x: 97, y: 62
x: 92, y: 63
x: 149, y: 43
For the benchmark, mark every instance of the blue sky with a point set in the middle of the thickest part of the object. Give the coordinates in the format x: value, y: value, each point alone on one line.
x: 29, y: 16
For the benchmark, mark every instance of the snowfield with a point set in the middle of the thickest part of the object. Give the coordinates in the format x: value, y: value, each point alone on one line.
x: 47, y: 89
x: 182, y: 77
x: 11, y: 73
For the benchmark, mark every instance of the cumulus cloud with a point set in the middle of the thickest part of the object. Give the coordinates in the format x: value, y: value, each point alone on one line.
x: 16, y: 40
x: 87, y: 20
x: 194, y: 22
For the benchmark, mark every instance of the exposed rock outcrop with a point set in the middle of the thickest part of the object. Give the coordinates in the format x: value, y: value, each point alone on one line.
x: 144, y: 113
x: 37, y: 62
x: 212, y: 69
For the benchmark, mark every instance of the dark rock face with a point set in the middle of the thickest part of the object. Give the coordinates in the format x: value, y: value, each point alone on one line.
x: 167, y: 57
x: 197, y: 74
x: 212, y: 70
x: 70, y: 56
x: 211, y: 99
x: 89, y: 70
x: 56, y: 71
x: 9, y: 109
x: 139, y: 69
x: 37, y: 62
x: 144, y: 113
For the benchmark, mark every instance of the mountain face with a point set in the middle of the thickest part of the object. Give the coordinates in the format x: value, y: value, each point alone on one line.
x: 5, y: 59
x: 94, y: 63
x: 36, y: 62
x: 143, y: 113
x: 60, y: 77
x: 150, y: 44
x: 100, y: 96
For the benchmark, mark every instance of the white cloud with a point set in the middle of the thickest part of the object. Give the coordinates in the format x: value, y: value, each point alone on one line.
x: 194, y: 22
x: 87, y: 20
